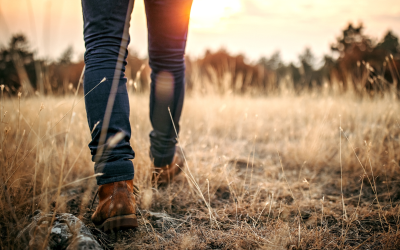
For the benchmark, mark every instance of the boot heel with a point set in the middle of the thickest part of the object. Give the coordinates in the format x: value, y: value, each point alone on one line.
x: 119, y: 222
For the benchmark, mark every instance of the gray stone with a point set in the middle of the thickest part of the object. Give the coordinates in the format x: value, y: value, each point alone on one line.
x: 67, y: 232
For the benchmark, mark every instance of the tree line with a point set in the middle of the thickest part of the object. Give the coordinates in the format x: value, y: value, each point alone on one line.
x: 357, y: 63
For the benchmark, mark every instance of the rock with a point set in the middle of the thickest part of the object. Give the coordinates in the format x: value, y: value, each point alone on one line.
x: 156, y: 216
x: 84, y: 242
x: 159, y: 223
x: 161, y: 220
x: 67, y: 232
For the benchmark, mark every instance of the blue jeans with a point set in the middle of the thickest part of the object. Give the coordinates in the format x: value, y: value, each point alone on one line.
x: 106, y: 35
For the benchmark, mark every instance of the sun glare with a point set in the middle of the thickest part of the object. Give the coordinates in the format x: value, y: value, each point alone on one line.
x: 208, y: 13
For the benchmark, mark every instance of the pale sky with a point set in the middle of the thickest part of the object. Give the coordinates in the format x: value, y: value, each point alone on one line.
x: 253, y: 27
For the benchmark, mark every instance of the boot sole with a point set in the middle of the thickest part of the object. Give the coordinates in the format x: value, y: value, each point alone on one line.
x: 119, y: 222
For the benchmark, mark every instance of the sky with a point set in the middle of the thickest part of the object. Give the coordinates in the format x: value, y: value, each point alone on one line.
x: 254, y: 28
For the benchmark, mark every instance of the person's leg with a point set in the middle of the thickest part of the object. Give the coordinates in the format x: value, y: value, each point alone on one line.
x: 167, y: 23
x: 106, y: 35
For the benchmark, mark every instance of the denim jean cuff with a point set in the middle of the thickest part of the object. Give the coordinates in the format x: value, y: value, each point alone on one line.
x: 163, y: 161
x: 121, y: 170
x: 102, y: 181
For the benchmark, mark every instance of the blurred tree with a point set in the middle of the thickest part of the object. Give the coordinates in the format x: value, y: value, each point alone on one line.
x: 274, y: 68
x: 356, y: 57
x: 17, y: 66
x: 329, y: 68
x: 307, y: 58
x: 63, y: 75
x: 352, y: 41
x: 295, y: 76
x: 273, y: 62
x: 389, y: 48
x: 66, y: 56
x: 20, y: 44
x: 361, y: 63
x: 390, y: 44
x: 234, y: 73
x: 307, y: 62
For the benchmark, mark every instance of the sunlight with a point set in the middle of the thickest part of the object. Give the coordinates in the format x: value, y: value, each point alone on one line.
x: 208, y: 13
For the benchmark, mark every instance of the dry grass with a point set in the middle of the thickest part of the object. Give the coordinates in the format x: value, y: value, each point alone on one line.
x: 269, y: 171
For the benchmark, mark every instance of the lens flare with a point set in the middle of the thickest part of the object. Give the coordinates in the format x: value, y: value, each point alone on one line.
x: 209, y: 13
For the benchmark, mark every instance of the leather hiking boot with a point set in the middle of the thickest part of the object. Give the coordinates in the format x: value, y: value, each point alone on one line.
x: 117, y: 207
x: 164, y: 175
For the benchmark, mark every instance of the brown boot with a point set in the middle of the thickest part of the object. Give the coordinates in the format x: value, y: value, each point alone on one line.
x: 164, y: 175
x: 117, y: 207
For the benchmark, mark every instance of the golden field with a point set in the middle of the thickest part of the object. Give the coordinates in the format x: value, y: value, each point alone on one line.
x: 287, y: 171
